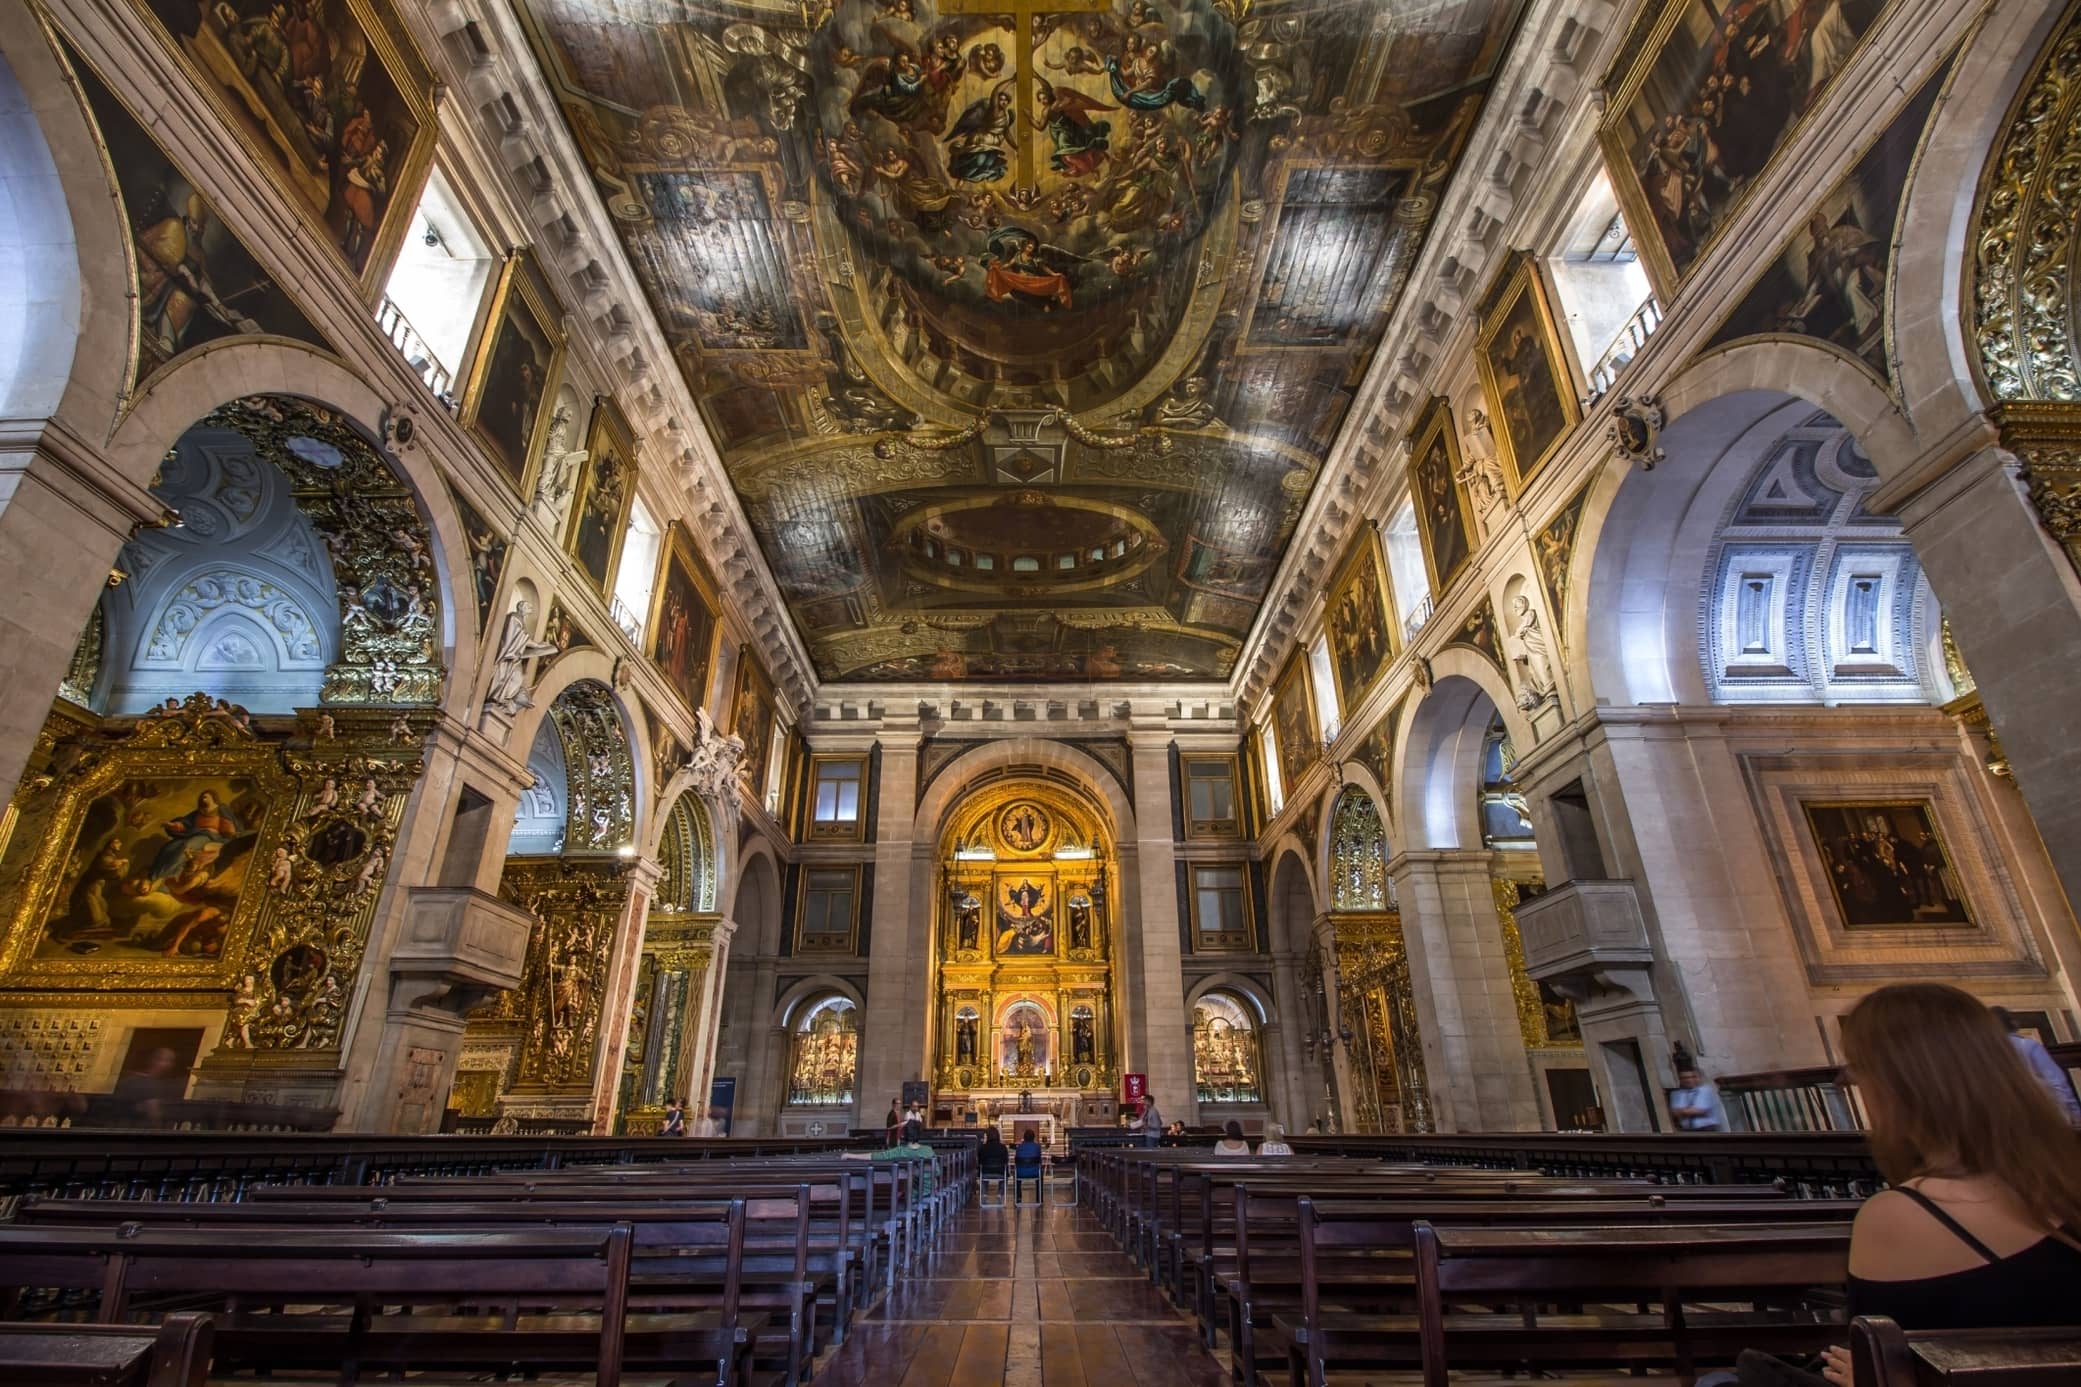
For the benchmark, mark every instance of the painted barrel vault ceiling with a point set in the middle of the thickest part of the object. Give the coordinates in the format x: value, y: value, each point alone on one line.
x: 1023, y: 327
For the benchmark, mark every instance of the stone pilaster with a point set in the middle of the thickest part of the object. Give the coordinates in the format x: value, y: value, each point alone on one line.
x: 1159, y: 1037
x: 1474, y: 1050
x: 899, y: 964
x: 1285, y: 1059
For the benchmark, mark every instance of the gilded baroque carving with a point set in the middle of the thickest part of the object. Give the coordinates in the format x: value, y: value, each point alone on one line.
x: 1376, y: 1003
x: 2024, y: 304
x: 2046, y: 438
x: 577, y: 907
x: 602, y: 775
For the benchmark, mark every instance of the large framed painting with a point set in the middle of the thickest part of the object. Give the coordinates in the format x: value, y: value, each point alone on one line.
x: 1524, y: 374
x: 606, y: 486
x: 1358, y: 621
x: 1294, y: 732
x: 1886, y: 865
x: 513, y: 376
x: 751, y: 719
x: 1441, y: 508
x: 1025, y: 915
x: 1703, y: 96
x: 683, y: 624
x: 196, y: 280
x: 147, y: 870
x: 335, y: 102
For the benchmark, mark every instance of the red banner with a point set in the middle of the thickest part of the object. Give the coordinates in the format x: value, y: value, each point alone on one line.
x: 1134, y: 1087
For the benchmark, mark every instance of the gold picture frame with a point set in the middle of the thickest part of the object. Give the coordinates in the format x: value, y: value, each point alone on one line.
x: 521, y: 305
x: 684, y: 629
x: 605, y: 489
x: 1359, y: 620
x: 1296, y: 737
x: 1669, y: 73
x: 752, y: 716
x: 1886, y: 864
x: 360, y: 126
x: 73, y: 901
x: 1525, y: 375
x: 1437, y: 497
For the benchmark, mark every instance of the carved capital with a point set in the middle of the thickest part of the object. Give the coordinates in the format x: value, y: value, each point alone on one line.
x: 2046, y: 438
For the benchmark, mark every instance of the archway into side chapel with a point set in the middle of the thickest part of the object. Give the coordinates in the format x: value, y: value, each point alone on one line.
x: 1026, y: 954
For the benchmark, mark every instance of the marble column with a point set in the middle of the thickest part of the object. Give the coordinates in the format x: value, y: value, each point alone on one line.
x: 623, y: 966
x: 1154, y: 990
x: 1284, y: 1054
x: 898, y: 1023
x: 1474, y: 1051
x: 2013, y: 599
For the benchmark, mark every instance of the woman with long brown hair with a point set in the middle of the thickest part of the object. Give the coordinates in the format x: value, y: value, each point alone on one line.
x: 1982, y: 1225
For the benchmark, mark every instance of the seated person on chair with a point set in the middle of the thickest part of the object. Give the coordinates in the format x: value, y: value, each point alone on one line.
x: 990, y: 1161
x: 1026, y: 1163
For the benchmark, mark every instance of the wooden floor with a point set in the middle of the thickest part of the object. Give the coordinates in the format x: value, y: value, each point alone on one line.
x: 1026, y: 1297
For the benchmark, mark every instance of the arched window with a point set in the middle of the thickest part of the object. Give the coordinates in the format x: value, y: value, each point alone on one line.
x: 1225, y: 1066
x: 825, y: 1055
x: 1358, y: 854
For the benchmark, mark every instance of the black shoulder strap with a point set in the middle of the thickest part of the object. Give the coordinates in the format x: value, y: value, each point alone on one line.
x: 1937, y: 1213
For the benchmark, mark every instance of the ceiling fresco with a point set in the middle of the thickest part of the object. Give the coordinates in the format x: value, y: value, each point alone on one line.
x: 1024, y: 327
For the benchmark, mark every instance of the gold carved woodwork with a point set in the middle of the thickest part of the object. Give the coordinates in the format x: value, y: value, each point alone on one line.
x: 1531, y: 1005
x: 577, y: 904
x: 2046, y: 439
x: 1377, y: 1003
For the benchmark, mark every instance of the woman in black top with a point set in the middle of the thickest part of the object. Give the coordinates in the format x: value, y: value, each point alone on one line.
x: 991, y: 1159
x: 1978, y: 1231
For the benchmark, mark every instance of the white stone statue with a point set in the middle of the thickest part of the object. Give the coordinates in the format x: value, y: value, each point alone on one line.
x: 517, y: 646
x: 1479, y: 471
x: 560, y: 463
x: 714, y: 763
x: 1535, y: 668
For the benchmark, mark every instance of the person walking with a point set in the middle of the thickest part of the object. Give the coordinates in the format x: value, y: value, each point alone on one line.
x: 2041, y: 1063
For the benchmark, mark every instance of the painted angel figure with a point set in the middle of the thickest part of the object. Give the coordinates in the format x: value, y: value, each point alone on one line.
x: 978, y: 143
x: 1065, y: 117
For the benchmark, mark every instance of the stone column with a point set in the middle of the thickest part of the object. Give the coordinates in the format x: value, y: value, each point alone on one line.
x: 2014, y: 602
x: 898, y: 1024
x: 63, y: 517
x: 1155, y: 988
x: 1474, y: 1051
x: 705, y: 1004
x: 620, y: 1000
x: 1283, y: 1052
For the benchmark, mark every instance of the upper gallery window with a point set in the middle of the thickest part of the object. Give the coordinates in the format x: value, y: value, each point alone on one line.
x: 834, y: 806
x: 1210, y: 797
x: 430, y: 304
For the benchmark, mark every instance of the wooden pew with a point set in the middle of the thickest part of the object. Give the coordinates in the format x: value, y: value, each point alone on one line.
x: 1882, y: 1354
x: 176, y: 1353
x: 572, y: 1283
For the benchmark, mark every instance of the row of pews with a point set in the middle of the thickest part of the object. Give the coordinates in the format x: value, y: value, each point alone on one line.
x: 724, y: 1271
x: 1329, y: 1271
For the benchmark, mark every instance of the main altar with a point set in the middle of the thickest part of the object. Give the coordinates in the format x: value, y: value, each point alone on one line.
x: 1022, y: 937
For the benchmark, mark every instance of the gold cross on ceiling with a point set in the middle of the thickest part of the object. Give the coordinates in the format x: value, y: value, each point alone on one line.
x: 1021, y: 13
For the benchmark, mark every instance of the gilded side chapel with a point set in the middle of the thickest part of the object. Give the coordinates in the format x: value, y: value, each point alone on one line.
x: 1362, y: 567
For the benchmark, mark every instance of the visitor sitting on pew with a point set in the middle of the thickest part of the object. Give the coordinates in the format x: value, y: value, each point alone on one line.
x: 990, y: 1161
x: 1232, y: 1143
x: 1978, y: 1231
x: 1176, y: 1129
x: 1026, y: 1165
x: 1275, y: 1143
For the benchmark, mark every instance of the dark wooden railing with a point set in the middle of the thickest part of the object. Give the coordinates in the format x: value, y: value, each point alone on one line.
x: 1820, y: 1099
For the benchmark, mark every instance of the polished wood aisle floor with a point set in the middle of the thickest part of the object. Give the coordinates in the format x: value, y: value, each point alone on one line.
x: 1026, y: 1297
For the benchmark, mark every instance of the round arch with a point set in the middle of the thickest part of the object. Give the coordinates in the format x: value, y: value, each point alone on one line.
x: 754, y: 897
x: 590, y: 666
x: 65, y: 291
x: 1292, y: 896
x: 1240, y: 985
x: 683, y: 829
x: 787, y: 1010
x: 957, y: 778
x: 1928, y: 284
x: 1441, y: 754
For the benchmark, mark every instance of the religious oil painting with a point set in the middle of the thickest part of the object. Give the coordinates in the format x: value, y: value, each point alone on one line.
x: 1357, y: 621
x: 1025, y: 917
x: 1829, y: 281
x: 1713, y: 90
x: 1024, y: 826
x: 1886, y: 864
x: 606, y: 486
x: 196, y: 281
x: 333, y: 97
x: 846, y: 215
x: 752, y: 718
x: 1293, y: 723
x: 487, y: 558
x: 683, y: 626
x: 140, y: 868
x: 1441, y: 507
x: 515, y: 371
x: 1524, y: 375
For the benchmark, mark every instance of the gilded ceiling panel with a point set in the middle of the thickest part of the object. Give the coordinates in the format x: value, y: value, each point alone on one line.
x: 1024, y: 326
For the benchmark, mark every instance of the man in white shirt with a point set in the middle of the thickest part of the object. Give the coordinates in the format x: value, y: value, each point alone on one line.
x: 1696, y: 1104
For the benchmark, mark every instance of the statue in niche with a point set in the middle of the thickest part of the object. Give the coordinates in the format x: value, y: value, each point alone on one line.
x: 560, y: 464
x: 964, y: 1040
x: 1022, y: 1048
x: 517, y: 645
x: 1079, y: 922
x: 968, y: 923
x: 1535, y: 668
x: 1082, y: 1047
x: 1479, y: 472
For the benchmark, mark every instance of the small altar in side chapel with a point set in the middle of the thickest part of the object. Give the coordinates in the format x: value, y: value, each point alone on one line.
x: 1023, y: 1030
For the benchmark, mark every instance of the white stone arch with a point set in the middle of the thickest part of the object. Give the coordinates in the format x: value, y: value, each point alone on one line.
x: 1242, y: 985
x: 1293, y: 896
x: 230, y: 369
x: 1356, y: 777
x: 65, y: 291
x: 755, y: 899
x: 1439, y: 763
x: 1929, y: 285
x: 957, y: 777
x: 788, y: 1009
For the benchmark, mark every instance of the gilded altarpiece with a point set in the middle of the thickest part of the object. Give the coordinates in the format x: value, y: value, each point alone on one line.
x: 554, y: 1016
x: 199, y: 859
x: 1376, y: 1005
x: 665, y: 1017
x: 1024, y: 943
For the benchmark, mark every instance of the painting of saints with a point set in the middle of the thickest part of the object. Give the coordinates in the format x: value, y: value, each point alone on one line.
x: 1293, y: 724
x: 1025, y: 926
x: 1357, y: 621
x: 596, y: 528
x: 1024, y: 827
x: 1444, y: 515
x: 1081, y: 142
x: 1527, y: 384
x: 683, y: 631
x: 1886, y: 866
x: 156, y: 870
x: 516, y: 377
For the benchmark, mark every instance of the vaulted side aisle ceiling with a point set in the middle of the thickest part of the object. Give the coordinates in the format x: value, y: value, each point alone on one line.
x: 1024, y: 327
